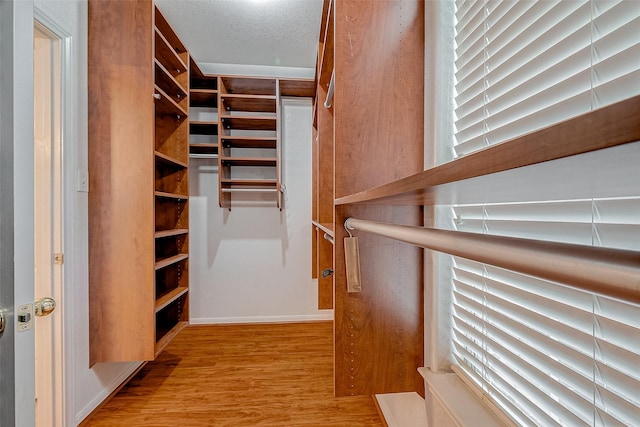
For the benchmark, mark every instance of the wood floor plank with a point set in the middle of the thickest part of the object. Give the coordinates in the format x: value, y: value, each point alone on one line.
x: 240, y: 375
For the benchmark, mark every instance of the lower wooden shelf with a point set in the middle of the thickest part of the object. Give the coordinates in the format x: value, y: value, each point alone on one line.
x: 166, y: 338
x: 170, y: 297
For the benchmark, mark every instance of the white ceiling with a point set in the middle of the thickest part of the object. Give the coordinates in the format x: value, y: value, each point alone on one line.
x: 281, y: 33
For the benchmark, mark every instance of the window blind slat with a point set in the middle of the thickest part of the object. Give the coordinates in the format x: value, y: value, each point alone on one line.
x: 499, y: 372
x: 568, y: 37
x: 618, y: 383
x: 563, y: 110
x: 627, y: 413
x: 471, y: 73
x: 616, y: 90
x: 549, y: 389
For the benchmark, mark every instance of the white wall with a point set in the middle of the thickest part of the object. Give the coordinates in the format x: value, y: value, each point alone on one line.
x: 253, y: 263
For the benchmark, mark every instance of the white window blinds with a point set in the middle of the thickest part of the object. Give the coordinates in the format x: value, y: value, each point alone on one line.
x: 546, y: 353
x: 523, y: 65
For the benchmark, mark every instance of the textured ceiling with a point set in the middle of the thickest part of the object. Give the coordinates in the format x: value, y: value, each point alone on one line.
x: 248, y: 32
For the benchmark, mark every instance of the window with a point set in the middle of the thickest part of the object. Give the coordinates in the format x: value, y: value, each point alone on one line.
x: 546, y: 353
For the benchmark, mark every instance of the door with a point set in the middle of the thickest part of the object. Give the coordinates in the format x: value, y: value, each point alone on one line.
x: 17, y: 373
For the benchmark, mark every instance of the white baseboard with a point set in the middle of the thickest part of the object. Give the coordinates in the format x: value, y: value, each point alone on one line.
x: 263, y: 319
x: 106, y: 392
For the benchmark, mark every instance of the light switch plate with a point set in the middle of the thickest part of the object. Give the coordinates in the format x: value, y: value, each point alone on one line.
x: 83, y: 181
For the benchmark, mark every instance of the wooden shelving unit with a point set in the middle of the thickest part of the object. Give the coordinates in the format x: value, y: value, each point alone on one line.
x: 138, y: 163
x: 249, y: 140
x: 368, y: 137
x: 245, y: 133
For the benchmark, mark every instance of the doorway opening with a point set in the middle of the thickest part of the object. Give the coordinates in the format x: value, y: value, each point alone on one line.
x: 48, y: 222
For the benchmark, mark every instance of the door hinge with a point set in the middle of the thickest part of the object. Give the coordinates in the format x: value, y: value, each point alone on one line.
x: 58, y: 258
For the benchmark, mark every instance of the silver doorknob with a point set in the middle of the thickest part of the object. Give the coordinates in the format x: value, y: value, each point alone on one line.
x: 44, y: 306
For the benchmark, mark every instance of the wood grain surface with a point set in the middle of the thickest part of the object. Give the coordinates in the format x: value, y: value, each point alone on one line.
x: 121, y: 166
x: 239, y: 375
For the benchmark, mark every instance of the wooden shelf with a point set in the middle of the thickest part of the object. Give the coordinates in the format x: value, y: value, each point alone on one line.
x: 171, y: 195
x: 165, y: 262
x: 251, y: 103
x: 249, y: 123
x: 166, y: 338
x: 249, y: 142
x: 169, y: 233
x: 167, y: 82
x: 203, y: 128
x: 168, y: 56
x: 614, y: 125
x: 204, y: 98
x: 249, y: 86
x: 170, y: 161
x: 204, y: 148
x: 248, y: 161
x: 228, y: 183
x: 166, y: 106
x: 170, y: 297
x: 298, y: 87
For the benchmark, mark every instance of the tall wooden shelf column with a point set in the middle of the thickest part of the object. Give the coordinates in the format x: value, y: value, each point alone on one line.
x: 203, y: 139
x: 138, y: 168
x: 370, y: 136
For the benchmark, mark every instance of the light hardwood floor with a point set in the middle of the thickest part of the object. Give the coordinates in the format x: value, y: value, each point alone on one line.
x: 240, y: 375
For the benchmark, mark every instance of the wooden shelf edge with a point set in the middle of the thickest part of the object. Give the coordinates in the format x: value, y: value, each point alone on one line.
x: 166, y: 338
x: 610, y: 126
x: 170, y: 160
x: 170, y: 48
x: 176, y: 109
x: 247, y: 96
x: 227, y: 183
x: 165, y: 262
x: 250, y: 161
x: 171, y: 195
x: 168, y: 75
x: 170, y: 297
x: 169, y: 233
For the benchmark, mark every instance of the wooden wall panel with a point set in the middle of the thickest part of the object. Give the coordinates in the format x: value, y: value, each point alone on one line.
x: 121, y: 162
x: 325, y: 261
x: 379, y: 116
x: 379, y: 92
x: 379, y: 332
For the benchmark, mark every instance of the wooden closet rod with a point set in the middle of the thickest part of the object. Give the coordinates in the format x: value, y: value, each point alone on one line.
x: 610, y: 272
